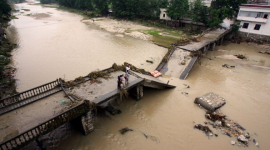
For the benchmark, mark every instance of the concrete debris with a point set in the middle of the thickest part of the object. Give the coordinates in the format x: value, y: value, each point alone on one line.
x: 210, y: 101
x: 247, y: 135
x: 242, y: 138
x: 257, y: 144
x: 184, y: 93
x: 218, y: 123
x: 226, y: 126
x: 183, y: 62
x: 187, y: 86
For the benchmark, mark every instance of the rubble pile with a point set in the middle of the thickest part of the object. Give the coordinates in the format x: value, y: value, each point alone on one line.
x: 229, y: 127
x: 219, y: 121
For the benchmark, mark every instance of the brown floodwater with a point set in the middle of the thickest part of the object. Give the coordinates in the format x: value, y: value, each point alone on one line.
x: 65, y: 47
x: 59, y: 45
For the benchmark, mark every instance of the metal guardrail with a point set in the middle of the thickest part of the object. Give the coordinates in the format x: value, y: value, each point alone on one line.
x: 28, y: 94
x: 45, y: 127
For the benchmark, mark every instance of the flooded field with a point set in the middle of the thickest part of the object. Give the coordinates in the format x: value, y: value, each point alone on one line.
x: 62, y: 46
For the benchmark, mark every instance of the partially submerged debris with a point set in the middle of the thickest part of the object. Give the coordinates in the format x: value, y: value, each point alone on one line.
x: 124, y: 130
x: 187, y: 86
x: 184, y: 93
x: 203, y: 128
x: 243, y: 139
x: 221, y: 122
x: 241, y: 56
x: 210, y: 101
x: 227, y: 66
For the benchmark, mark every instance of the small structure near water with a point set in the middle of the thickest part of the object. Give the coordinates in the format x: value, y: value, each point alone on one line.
x: 210, y: 101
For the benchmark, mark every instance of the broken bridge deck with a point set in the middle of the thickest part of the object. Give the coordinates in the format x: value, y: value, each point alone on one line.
x: 23, y: 119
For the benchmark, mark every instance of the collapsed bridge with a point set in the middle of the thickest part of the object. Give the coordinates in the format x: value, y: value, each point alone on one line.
x: 38, y: 111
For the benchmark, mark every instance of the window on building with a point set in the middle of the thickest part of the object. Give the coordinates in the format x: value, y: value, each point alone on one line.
x: 259, y: 15
x: 164, y: 15
x: 257, y: 27
x: 245, y: 25
x: 265, y: 16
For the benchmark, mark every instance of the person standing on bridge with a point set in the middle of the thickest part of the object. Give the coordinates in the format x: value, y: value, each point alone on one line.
x: 119, y: 82
x: 123, y: 80
x: 126, y: 78
x: 127, y: 68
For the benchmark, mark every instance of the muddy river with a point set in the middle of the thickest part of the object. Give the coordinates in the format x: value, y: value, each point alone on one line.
x: 60, y: 45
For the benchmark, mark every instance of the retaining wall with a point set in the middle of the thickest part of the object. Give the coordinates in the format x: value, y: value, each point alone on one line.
x: 249, y: 37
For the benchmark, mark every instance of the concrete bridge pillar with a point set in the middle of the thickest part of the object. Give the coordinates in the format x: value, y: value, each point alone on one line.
x: 139, y: 93
x: 136, y: 92
x: 214, y: 45
x: 221, y: 40
x: 88, y: 122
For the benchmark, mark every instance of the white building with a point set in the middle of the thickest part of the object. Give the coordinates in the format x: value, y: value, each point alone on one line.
x: 254, y: 19
x: 163, y: 15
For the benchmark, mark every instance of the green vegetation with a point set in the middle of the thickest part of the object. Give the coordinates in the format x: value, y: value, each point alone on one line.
x: 47, y: 1
x: 13, y: 17
x: 26, y: 9
x: 198, y: 12
x: 178, y: 9
x: 98, y: 19
x: 5, y: 10
x: 16, y: 1
x: 164, y: 37
x: 7, y: 83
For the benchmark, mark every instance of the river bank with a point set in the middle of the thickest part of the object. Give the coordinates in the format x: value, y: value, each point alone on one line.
x: 7, y: 71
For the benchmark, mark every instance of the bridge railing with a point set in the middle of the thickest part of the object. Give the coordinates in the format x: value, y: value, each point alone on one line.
x: 45, y: 127
x: 28, y: 94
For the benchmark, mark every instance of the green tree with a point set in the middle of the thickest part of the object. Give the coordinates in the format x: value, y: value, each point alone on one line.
x: 131, y: 9
x: 198, y: 12
x: 5, y: 9
x: 221, y: 9
x: 102, y: 6
x: 178, y: 9
x: 47, y: 1
x: 163, y: 3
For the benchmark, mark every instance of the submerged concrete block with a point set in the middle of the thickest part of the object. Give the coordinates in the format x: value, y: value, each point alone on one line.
x: 210, y: 101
